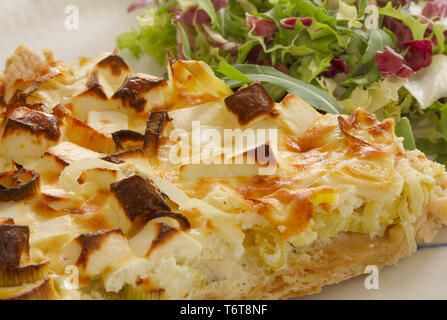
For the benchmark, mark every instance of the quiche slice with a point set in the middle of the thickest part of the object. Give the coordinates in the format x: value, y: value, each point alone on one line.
x: 122, y: 185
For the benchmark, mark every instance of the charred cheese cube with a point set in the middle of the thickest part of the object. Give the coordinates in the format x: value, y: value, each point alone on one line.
x: 57, y: 157
x: 251, y: 102
x: 157, y: 240
x: 131, y: 200
x: 14, y: 243
x: 94, y: 98
x: 28, y: 133
x: 95, y: 252
x: 141, y: 93
x: 113, y: 70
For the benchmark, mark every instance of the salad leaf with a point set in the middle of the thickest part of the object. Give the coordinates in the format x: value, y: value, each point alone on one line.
x: 415, y: 24
x: 439, y: 29
x: 129, y: 40
x: 244, y: 50
x: 441, y: 119
x: 208, y: 7
x: 309, y: 93
x: 377, y: 41
x: 156, y: 35
x: 165, y: 6
x: 186, y: 48
x: 349, y: 13
x: 307, y: 9
x: 403, y: 129
x: 233, y: 73
x: 438, y: 148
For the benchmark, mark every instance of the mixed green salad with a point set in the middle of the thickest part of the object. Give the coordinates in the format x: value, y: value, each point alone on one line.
x: 389, y: 57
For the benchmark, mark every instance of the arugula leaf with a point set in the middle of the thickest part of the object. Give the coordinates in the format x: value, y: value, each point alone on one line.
x: 316, y: 97
x: 378, y: 39
x: 276, y: 92
x: 232, y: 73
x: 403, y: 129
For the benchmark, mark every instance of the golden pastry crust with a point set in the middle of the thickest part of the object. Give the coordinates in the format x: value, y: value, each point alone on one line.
x: 326, y: 262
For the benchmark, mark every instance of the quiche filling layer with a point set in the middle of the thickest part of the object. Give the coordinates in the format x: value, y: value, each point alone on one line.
x: 92, y: 205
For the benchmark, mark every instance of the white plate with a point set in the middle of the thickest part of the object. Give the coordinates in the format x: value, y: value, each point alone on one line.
x: 41, y: 24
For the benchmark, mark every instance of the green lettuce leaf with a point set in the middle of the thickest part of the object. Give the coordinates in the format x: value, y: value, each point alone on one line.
x: 415, y: 24
x: 316, y: 97
x: 378, y: 39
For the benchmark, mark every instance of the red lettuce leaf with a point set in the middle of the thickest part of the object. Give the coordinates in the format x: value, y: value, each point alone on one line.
x: 198, y: 16
x: 435, y: 9
x: 261, y: 27
x: 289, y: 23
x: 391, y: 64
x: 139, y: 4
x: 402, y: 32
x: 338, y: 65
x: 419, y: 54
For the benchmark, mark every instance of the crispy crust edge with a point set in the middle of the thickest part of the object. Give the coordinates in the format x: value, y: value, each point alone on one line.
x: 327, y: 262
